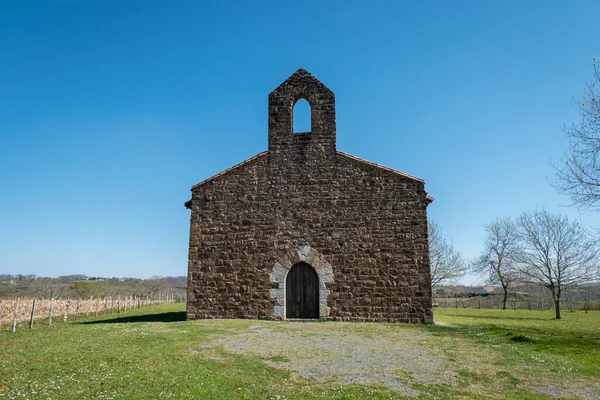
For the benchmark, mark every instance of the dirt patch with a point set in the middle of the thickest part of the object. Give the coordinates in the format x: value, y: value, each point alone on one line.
x: 374, y: 354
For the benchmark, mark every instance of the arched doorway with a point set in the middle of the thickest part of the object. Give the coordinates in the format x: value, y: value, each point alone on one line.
x: 302, y: 292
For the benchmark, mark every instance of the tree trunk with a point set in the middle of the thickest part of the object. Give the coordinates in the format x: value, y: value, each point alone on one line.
x: 505, y: 297
x: 556, y: 298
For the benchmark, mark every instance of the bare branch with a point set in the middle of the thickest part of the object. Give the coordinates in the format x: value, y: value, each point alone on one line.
x: 447, y: 264
x: 497, y: 261
x: 579, y: 171
x: 555, y: 252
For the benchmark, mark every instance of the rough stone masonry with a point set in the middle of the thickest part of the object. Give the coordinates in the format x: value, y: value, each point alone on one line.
x: 355, y: 229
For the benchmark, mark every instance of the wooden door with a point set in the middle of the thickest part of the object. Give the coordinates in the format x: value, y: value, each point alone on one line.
x: 302, y: 292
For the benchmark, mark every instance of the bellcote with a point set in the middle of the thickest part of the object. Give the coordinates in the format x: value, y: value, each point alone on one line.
x: 320, y: 141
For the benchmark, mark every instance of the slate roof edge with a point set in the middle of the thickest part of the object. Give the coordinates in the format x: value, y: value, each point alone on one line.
x: 246, y: 161
x: 341, y: 153
x: 350, y: 156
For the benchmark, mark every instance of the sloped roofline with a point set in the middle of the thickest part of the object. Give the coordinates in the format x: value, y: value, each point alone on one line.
x: 341, y: 153
x: 303, y: 74
x: 428, y: 199
x: 259, y: 155
x: 350, y: 156
x: 395, y: 171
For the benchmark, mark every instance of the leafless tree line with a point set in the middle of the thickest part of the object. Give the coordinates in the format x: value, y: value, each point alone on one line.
x: 84, y: 288
x: 537, y: 248
x: 522, y: 296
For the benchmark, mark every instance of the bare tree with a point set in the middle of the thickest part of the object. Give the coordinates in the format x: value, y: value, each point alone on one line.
x: 153, y: 286
x: 447, y: 264
x: 579, y: 171
x: 85, y: 289
x: 555, y: 252
x: 497, y: 261
x: 46, y: 287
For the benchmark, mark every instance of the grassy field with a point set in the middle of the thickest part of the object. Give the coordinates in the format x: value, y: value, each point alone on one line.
x: 153, y: 353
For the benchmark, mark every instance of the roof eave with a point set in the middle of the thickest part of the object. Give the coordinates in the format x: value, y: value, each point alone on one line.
x: 229, y: 169
x: 383, y: 167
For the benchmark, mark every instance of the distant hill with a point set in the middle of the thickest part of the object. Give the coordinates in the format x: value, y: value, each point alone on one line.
x: 79, y: 285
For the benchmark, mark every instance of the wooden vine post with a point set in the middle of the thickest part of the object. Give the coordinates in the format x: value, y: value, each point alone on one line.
x: 32, y: 314
x: 87, y: 309
x: 66, y: 317
x: 50, y: 312
x: 14, y: 324
x: 77, y: 309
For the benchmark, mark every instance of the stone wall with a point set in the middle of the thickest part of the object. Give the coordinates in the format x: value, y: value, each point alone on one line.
x: 361, y: 226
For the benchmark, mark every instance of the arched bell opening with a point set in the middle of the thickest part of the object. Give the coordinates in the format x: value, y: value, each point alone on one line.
x: 301, y: 117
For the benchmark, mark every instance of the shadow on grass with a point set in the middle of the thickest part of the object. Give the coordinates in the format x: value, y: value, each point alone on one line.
x: 161, y: 317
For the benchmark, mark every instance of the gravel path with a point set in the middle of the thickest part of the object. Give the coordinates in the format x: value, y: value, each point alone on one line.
x: 377, y: 354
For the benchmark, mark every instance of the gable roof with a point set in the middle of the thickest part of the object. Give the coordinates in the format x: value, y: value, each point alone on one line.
x: 383, y: 167
x: 341, y: 153
x: 246, y: 161
x: 428, y: 199
x: 300, y: 78
x: 188, y: 203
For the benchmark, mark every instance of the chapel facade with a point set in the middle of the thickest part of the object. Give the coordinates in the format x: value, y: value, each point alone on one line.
x: 303, y: 230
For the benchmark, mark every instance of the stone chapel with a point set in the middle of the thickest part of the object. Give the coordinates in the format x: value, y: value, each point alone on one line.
x: 303, y: 230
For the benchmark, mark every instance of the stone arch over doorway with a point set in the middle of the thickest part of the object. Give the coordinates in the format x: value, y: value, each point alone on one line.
x: 279, y: 271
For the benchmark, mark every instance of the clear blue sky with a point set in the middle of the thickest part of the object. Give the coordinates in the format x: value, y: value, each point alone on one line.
x: 110, y: 111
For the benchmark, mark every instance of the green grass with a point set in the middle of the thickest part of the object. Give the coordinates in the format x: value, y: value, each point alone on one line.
x: 153, y: 353
x: 525, y: 349
x: 569, y: 344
